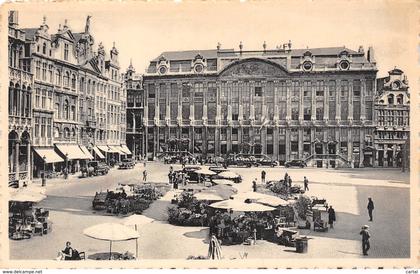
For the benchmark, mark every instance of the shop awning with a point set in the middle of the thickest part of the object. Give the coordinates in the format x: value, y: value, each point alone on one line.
x: 86, y: 152
x: 49, y: 154
x: 116, y: 149
x: 98, y: 153
x: 72, y: 151
x: 104, y: 149
x: 125, y: 149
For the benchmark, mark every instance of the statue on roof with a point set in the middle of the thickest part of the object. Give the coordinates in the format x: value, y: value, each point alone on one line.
x: 87, y: 26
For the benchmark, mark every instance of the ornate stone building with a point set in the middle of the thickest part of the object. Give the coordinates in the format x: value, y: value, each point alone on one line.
x: 62, y: 111
x: 312, y: 104
x: 133, y: 84
x: 20, y: 103
x: 392, y: 110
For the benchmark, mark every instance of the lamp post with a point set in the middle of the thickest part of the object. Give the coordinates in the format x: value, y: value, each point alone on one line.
x: 43, y: 177
x: 66, y: 170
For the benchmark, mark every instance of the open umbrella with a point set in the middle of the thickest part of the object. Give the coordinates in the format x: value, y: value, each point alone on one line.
x: 261, y: 198
x: 228, y: 175
x: 215, y: 250
x: 137, y: 221
x: 205, y: 171
x: 236, y: 205
x: 111, y: 232
x: 208, y: 196
x: 223, y: 190
x: 222, y: 182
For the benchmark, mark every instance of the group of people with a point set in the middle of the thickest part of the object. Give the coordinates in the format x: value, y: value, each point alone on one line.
x: 176, y: 178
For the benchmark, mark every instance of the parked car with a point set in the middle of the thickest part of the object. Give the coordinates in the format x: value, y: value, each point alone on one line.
x: 94, y: 168
x: 126, y: 164
x: 297, y: 163
x: 241, y: 160
x: 264, y: 160
x: 99, y: 201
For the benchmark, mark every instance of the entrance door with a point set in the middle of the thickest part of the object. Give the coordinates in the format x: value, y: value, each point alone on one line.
x: 380, y: 158
x: 318, y: 148
x: 331, y: 148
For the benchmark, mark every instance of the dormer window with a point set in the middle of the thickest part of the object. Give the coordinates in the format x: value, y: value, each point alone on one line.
x: 396, y: 85
x: 344, y: 65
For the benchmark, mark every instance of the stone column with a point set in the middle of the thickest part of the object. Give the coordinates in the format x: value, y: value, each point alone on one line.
x: 394, y: 153
x: 191, y: 136
x: 29, y: 166
x: 362, y: 100
x: 326, y: 102
x: 288, y: 100
x: 337, y: 145
x: 349, y: 145
x: 337, y: 101
x: 287, y: 144
x: 276, y: 143
x: 385, y: 155
x: 264, y: 140
x: 350, y: 102
x: 301, y: 101
x: 17, y: 168
x: 313, y: 100
x: 300, y: 143
x: 362, y: 147
x: 217, y: 141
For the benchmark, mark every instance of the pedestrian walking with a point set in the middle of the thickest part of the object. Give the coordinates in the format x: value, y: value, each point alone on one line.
x: 370, y: 208
x: 263, y: 173
x: 144, y: 175
x: 286, y: 176
x: 365, y: 239
x: 144, y: 163
x: 331, y: 216
x: 290, y: 182
x: 254, y: 185
x: 305, y: 183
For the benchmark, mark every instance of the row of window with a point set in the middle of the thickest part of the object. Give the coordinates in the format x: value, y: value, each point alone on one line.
x: 242, y: 89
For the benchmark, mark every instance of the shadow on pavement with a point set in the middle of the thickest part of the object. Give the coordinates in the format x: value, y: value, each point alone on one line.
x: 201, y: 234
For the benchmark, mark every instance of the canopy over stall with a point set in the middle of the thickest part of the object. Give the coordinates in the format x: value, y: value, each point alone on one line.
x: 98, y: 153
x: 72, y: 152
x: 86, y: 152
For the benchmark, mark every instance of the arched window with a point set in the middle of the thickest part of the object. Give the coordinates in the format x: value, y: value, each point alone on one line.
x: 400, y: 99
x: 73, y: 81
x: 58, y: 78
x: 82, y: 85
x: 16, y: 100
x: 66, y: 110
x: 44, y: 48
x: 391, y: 99
x: 73, y: 113
x: 66, y: 79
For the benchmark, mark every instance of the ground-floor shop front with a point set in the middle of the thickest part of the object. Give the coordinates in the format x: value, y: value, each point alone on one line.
x: 321, y: 145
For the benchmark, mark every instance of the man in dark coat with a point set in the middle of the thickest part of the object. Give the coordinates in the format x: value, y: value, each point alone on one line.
x: 370, y: 208
x: 254, y: 185
x: 263, y: 176
x: 331, y: 216
x: 305, y: 183
x: 365, y: 239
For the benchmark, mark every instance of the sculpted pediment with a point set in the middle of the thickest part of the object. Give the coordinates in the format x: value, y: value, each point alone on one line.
x: 253, y: 68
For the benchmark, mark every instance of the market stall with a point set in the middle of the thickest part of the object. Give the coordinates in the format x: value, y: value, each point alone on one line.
x: 25, y: 220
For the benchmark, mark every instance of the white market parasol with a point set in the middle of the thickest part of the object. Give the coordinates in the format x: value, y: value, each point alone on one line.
x: 27, y: 196
x: 236, y: 205
x: 111, y: 232
x: 205, y: 172
x: 228, y: 175
x: 208, y: 196
x: 261, y: 198
x: 222, y: 182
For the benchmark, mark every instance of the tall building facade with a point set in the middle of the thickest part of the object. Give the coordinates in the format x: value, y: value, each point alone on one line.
x: 311, y: 104
x: 133, y: 84
x: 392, y: 108
x: 73, y: 100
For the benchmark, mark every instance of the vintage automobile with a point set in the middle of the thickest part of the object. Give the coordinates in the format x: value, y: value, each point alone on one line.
x: 94, y: 168
x: 99, y: 201
x: 246, y: 160
x: 264, y: 160
x: 126, y: 164
x: 296, y: 163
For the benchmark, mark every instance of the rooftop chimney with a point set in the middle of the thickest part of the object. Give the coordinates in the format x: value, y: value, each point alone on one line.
x: 218, y: 46
x: 264, y: 46
x: 240, y: 47
x: 13, y: 18
x: 361, y: 49
x: 371, y: 55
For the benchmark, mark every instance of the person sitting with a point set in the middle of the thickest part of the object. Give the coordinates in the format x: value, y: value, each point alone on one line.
x: 66, y: 254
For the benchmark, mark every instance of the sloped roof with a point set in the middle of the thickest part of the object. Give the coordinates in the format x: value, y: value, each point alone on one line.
x: 190, y: 54
x: 323, y: 51
x: 30, y: 33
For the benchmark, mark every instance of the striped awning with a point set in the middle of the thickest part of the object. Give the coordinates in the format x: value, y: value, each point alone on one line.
x: 125, y: 149
x: 86, y: 151
x: 116, y: 149
x: 104, y: 149
x: 48, y: 155
x: 98, y: 153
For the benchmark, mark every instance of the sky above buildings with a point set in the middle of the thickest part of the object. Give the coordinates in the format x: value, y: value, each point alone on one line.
x: 142, y: 30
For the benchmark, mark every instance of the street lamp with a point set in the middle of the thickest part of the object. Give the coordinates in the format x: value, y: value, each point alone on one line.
x: 43, y: 177
x: 66, y: 171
